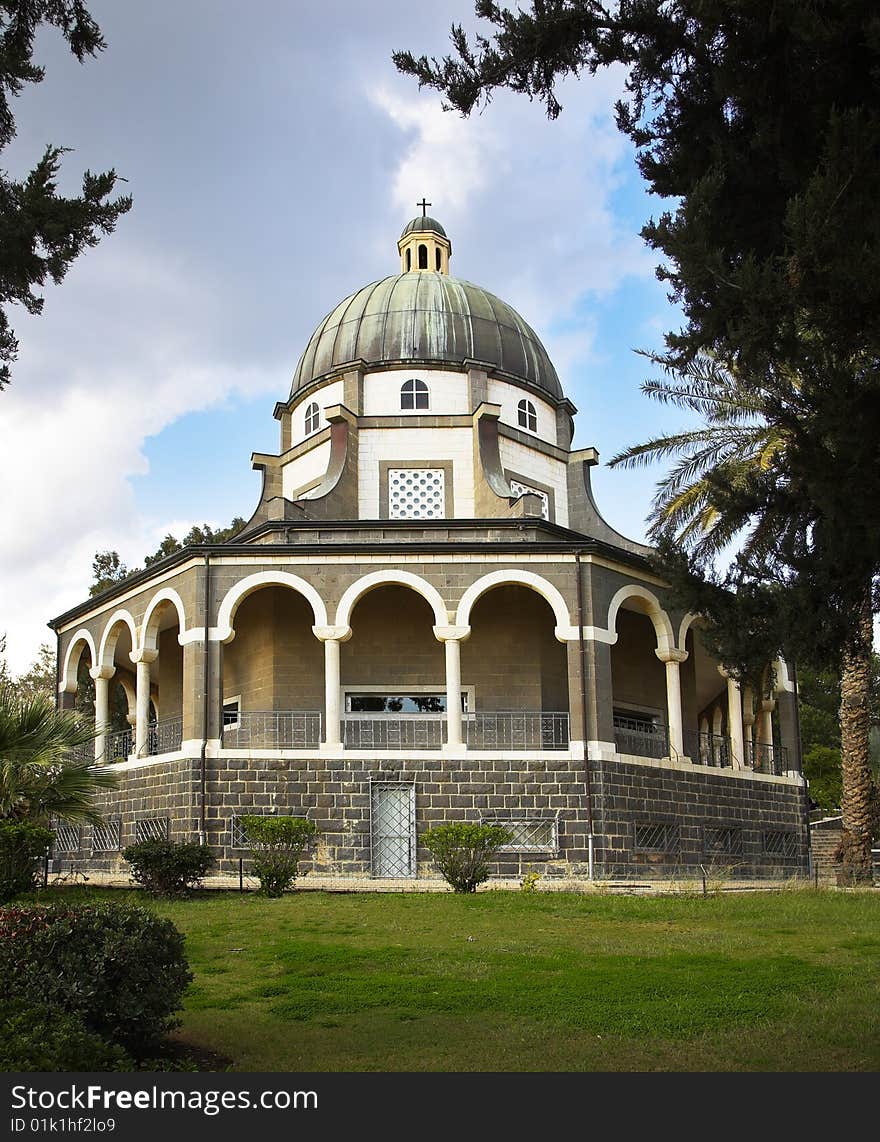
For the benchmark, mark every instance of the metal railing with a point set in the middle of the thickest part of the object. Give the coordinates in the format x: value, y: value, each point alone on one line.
x: 281, y: 729
x: 393, y: 733
x: 119, y: 746
x: 765, y: 758
x: 708, y: 749
x: 516, y: 729
x: 164, y: 737
x: 638, y: 738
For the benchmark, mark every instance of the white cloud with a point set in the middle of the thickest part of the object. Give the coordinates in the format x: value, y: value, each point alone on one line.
x: 87, y: 394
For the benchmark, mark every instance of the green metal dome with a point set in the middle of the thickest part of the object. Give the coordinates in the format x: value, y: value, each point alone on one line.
x: 424, y: 223
x: 426, y: 318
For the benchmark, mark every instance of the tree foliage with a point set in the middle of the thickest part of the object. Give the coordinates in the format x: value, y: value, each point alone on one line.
x: 462, y: 851
x: 43, y: 773
x: 760, y: 124
x: 41, y: 231
x: 108, y: 569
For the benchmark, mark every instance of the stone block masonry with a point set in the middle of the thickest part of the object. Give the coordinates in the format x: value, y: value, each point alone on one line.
x: 649, y: 821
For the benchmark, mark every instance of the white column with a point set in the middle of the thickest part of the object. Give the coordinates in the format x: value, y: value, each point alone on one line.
x: 332, y: 711
x: 332, y: 637
x: 765, y: 727
x: 453, y: 637
x: 748, y: 717
x: 142, y: 660
x: 735, y: 724
x: 672, y: 660
x: 102, y: 676
x: 453, y: 693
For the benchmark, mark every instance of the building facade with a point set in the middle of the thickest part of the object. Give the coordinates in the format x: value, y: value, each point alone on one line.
x: 426, y: 619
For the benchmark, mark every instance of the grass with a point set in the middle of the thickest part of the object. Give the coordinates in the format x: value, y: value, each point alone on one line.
x: 507, y: 981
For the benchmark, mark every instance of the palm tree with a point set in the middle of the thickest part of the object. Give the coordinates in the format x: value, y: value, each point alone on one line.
x: 43, y: 773
x: 739, y: 478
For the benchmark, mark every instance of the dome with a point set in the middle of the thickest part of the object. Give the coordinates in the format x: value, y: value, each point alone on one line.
x: 426, y: 318
x: 423, y: 224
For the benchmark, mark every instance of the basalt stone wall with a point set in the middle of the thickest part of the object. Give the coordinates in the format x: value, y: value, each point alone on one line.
x: 336, y: 795
x: 151, y: 800
x: 659, y: 821
x: 649, y: 821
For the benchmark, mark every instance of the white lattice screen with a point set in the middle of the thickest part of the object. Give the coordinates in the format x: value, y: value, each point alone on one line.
x: 519, y: 489
x: 416, y: 493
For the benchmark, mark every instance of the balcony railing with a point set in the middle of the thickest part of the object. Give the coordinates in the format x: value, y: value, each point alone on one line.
x: 277, y: 729
x: 516, y: 729
x: 764, y: 758
x: 164, y: 737
x: 382, y: 732
x: 119, y: 746
x: 638, y: 738
x: 708, y: 749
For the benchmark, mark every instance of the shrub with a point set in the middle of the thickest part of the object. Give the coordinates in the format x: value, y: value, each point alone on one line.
x: 122, y: 970
x: 37, y: 1037
x: 277, y: 845
x: 462, y: 852
x: 22, y: 843
x: 168, y: 868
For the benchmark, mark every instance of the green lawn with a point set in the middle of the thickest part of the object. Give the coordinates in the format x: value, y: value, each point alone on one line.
x: 508, y: 981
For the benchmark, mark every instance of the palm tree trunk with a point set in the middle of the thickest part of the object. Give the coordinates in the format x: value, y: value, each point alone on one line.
x: 855, y: 723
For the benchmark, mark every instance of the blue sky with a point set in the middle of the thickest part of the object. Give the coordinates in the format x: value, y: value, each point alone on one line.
x: 274, y: 155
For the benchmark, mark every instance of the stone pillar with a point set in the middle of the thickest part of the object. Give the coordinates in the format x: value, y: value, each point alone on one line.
x: 598, y: 734
x: 332, y: 637
x: 735, y: 724
x: 102, y: 676
x: 453, y: 637
x: 748, y: 717
x: 765, y: 732
x: 789, y: 736
x: 673, y: 659
x: 142, y: 660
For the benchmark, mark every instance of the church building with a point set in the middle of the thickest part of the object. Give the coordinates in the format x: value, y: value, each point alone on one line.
x: 426, y: 619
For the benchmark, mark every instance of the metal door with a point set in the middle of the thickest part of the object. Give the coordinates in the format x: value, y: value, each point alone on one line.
x: 392, y: 806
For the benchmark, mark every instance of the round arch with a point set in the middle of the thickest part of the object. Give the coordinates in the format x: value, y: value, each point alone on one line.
x: 651, y: 607
x: 391, y: 577
x: 240, y: 591
x: 67, y: 685
x: 516, y: 578
x: 111, y: 636
x: 686, y: 623
x: 150, y: 626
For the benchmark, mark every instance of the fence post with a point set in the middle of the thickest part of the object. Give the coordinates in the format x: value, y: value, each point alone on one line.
x: 46, y: 869
x: 241, y: 874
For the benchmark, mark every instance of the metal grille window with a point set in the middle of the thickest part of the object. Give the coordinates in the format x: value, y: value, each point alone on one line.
x: 414, y: 395
x: 532, y: 833
x: 106, y: 836
x: 416, y: 493
x: 238, y: 833
x: 231, y: 713
x: 151, y: 829
x: 392, y: 828
x: 656, y: 837
x: 724, y: 841
x: 526, y: 416
x: 780, y: 843
x: 67, y: 838
x: 520, y: 489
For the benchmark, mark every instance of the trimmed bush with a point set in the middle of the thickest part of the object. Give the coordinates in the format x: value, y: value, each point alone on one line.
x: 22, y: 844
x: 121, y: 970
x: 168, y: 868
x: 462, y: 852
x: 37, y: 1037
x: 277, y: 845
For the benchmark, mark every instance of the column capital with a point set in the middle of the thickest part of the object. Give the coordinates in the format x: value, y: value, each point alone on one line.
x: 145, y: 655
x: 102, y: 672
x: 451, y: 633
x: 768, y: 705
x: 332, y: 634
x: 671, y: 655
